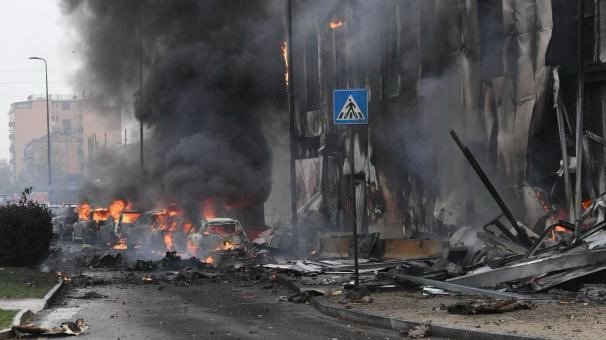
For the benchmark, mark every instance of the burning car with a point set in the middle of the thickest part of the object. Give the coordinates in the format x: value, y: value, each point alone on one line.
x: 217, y: 235
x: 102, y: 225
x: 87, y: 229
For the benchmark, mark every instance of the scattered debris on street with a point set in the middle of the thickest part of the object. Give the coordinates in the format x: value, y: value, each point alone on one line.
x: 65, y: 328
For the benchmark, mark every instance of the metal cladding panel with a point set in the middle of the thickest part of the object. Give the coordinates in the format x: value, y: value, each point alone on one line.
x: 528, y: 26
x: 602, y: 31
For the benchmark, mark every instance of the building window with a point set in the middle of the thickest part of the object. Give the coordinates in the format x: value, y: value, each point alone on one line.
x: 67, y: 126
x: 65, y: 105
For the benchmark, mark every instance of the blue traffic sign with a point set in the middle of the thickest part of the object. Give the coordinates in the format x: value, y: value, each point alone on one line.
x: 350, y: 106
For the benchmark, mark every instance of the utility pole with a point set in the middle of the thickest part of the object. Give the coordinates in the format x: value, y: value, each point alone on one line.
x: 292, y: 128
x: 48, y: 144
x: 579, y: 124
x: 141, y: 89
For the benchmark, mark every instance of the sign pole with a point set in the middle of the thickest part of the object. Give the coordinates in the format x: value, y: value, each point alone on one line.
x: 354, y: 223
x: 350, y: 107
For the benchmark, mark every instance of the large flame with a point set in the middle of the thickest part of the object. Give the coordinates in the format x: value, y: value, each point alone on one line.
x: 284, y: 50
x: 83, y: 210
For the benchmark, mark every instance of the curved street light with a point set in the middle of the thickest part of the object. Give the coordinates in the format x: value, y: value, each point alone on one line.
x: 47, y: 128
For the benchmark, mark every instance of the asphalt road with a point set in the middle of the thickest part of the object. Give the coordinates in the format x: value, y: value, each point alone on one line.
x: 223, y: 309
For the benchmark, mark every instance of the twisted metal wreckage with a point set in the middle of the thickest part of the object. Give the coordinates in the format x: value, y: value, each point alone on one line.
x: 513, y: 69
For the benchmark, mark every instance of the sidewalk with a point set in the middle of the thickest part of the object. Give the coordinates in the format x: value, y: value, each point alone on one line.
x: 26, y: 307
x: 396, y: 310
x: 35, y: 305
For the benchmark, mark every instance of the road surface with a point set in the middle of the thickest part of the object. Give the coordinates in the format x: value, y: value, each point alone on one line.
x: 209, y: 309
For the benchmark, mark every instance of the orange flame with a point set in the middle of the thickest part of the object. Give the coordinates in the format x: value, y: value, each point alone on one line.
x: 557, y: 230
x: 100, y: 215
x: 167, y: 237
x: 586, y: 204
x: 115, y: 208
x: 130, y: 217
x: 334, y: 24
x: 208, y: 209
x: 284, y: 50
x: 120, y: 245
x: 209, y: 260
x: 187, y: 227
x: 83, y: 211
x: 227, y: 246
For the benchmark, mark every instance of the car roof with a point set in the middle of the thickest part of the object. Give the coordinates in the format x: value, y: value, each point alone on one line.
x: 220, y: 220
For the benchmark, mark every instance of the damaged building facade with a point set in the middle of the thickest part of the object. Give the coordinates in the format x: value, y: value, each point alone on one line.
x: 484, y: 69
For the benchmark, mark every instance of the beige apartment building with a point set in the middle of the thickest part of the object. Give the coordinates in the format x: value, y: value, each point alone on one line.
x: 80, y: 128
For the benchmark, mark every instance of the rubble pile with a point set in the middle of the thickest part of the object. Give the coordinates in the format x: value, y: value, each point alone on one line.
x: 504, y: 262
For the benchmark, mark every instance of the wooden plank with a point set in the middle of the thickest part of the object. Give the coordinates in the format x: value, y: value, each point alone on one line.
x: 411, y: 249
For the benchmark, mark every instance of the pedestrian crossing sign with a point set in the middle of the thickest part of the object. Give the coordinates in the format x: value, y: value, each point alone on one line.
x: 350, y: 106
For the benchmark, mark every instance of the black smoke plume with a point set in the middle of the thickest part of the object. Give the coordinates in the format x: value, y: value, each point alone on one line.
x: 212, y: 73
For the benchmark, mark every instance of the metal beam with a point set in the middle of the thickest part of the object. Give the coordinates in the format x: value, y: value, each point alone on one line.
x: 457, y: 288
x: 531, y: 268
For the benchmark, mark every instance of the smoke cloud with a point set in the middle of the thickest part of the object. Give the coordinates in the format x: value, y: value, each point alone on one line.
x: 212, y: 73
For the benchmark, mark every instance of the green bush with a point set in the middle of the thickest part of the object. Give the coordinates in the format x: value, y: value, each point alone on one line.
x: 25, y: 232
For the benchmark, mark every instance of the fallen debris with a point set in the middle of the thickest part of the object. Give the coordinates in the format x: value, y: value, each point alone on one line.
x: 304, y: 296
x: 89, y: 295
x: 457, y: 288
x: 488, y: 307
x: 593, y: 293
x: 419, y: 331
x: 65, y: 328
x: 531, y: 267
x: 359, y: 295
x: 107, y: 260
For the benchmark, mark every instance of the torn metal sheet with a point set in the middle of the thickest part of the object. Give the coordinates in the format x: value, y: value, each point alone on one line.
x: 456, y: 288
x: 553, y: 280
x: 66, y: 328
x: 428, y: 290
x: 298, y: 266
x: 531, y: 268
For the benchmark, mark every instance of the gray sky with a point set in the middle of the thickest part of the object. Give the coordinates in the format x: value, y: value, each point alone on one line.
x: 32, y: 28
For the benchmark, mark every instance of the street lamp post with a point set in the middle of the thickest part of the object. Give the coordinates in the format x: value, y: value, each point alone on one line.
x: 47, y: 127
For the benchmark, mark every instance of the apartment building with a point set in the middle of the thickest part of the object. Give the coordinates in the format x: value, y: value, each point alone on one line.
x: 80, y: 126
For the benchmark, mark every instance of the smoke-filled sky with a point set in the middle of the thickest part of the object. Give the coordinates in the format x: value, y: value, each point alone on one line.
x: 212, y: 74
x: 32, y: 28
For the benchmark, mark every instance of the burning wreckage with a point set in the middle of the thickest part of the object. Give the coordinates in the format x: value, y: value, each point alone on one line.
x: 118, y: 227
x: 504, y: 260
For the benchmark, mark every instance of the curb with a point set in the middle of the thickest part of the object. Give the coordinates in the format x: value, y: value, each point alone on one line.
x: 52, y: 293
x: 399, y: 324
x: 25, y: 314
